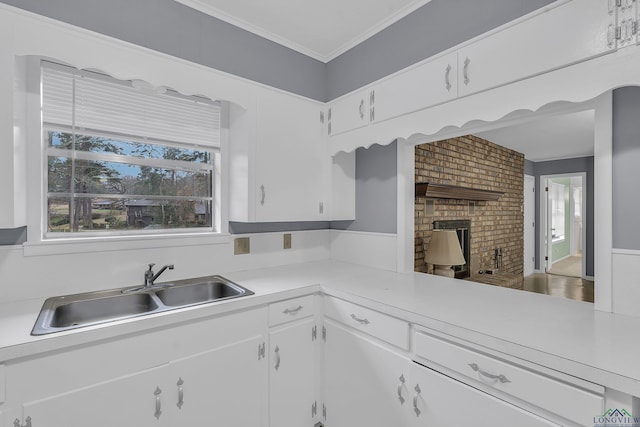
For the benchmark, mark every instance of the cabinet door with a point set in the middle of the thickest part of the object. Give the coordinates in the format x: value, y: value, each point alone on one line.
x: 225, y: 386
x: 292, y: 364
x: 350, y: 112
x: 133, y: 400
x: 428, y: 84
x: 438, y: 400
x: 291, y: 160
x: 570, y: 33
x: 365, y: 382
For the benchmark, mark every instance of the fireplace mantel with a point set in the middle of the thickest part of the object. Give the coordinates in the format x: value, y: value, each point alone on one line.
x: 443, y: 191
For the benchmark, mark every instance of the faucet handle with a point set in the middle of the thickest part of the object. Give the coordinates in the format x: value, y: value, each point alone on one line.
x: 151, y: 266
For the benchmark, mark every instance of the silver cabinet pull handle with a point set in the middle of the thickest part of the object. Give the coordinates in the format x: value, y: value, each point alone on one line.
x: 415, y: 400
x: 447, y: 75
x: 263, y: 195
x: 277, y: 352
x: 500, y: 377
x: 361, y: 109
x: 611, y: 35
x: 157, y: 394
x: 293, y: 311
x: 361, y: 321
x: 16, y: 422
x: 400, y: 398
x: 180, y: 393
x: 465, y: 71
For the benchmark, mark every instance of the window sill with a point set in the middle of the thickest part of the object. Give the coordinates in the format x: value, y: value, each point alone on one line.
x: 121, y: 243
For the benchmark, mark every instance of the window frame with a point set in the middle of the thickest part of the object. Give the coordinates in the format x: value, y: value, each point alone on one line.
x: 28, y: 93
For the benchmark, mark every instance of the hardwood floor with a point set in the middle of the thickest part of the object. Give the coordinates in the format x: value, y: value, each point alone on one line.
x: 562, y: 286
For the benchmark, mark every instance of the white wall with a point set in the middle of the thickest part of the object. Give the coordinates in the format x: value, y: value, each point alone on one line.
x: 40, y: 276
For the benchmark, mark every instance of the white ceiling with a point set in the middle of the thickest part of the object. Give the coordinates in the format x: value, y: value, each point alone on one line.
x: 551, y: 138
x: 319, y: 29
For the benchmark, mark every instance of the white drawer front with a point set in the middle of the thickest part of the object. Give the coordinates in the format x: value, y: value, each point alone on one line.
x: 387, y: 328
x: 291, y: 309
x: 568, y: 401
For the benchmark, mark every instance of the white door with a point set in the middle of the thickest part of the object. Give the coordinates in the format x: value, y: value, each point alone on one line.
x: 292, y: 364
x: 136, y: 400
x: 365, y: 383
x: 441, y: 401
x: 291, y: 163
x: 575, y: 31
x: 548, y: 231
x: 226, y: 386
x: 529, y: 224
x: 428, y: 84
x: 350, y: 112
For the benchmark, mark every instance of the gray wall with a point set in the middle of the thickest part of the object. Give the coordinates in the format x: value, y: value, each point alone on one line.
x: 626, y: 160
x: 556, y: 167
x: 529, y: 167
x: 376, y: 190
x: 435, y: 27
x: 170, y: 27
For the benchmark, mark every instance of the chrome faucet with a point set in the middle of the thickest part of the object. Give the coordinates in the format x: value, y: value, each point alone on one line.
x: 150, y: 276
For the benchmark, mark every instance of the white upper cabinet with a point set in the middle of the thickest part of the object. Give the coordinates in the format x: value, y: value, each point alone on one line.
x: 428, y: 84
x: 573, y: 32
x: 279, y: 164
x: 291, y: 162
x: 350, y: 112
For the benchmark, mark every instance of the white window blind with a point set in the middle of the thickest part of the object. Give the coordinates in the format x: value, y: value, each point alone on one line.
x: 87, y: 101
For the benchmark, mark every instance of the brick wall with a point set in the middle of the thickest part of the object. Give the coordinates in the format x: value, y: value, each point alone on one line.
x: 469, y: 161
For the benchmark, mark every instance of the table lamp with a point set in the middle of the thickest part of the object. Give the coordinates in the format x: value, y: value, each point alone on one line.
x: 444, y: 252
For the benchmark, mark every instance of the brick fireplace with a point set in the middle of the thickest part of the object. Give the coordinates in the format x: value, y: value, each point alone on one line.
x: 473, y: 162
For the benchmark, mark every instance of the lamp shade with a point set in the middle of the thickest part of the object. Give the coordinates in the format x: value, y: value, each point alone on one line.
x: 444, y: 248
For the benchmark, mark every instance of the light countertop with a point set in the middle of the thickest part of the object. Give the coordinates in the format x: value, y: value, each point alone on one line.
x: 560, y: 334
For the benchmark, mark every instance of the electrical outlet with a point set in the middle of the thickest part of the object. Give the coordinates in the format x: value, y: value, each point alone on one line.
x: 241, y: 246
x: 286, y: 241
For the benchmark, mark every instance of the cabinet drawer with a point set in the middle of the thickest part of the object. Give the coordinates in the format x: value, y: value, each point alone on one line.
x: 387, y: 328
x: 291, y: 309
x: 553, y: 395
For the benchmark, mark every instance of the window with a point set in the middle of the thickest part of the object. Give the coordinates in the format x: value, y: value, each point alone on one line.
x: 124, y: 157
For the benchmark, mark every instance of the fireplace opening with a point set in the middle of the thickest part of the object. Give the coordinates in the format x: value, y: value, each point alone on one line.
x: 463, y: 230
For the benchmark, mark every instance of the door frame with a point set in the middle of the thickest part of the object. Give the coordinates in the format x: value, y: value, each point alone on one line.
x: 529, y: 240
x: 545, y: 245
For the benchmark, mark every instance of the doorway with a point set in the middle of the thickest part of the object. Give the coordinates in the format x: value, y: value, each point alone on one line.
x: 564, y: 219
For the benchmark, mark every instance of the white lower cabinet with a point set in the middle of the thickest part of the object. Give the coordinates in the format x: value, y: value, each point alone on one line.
x: 438, y: 400
x: 292, y: 366
x: 205, y: 388
x: 363, y: 381
x: 134, y: 400
x: 225, y: 386
x: 211, y: 372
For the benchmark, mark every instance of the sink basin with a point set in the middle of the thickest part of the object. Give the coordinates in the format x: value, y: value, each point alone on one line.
x: 91, y: 308
x: 198, y: 293
x: 96, y: 310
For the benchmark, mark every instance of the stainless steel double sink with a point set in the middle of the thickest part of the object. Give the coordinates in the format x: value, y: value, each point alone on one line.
x: 75, y: 311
